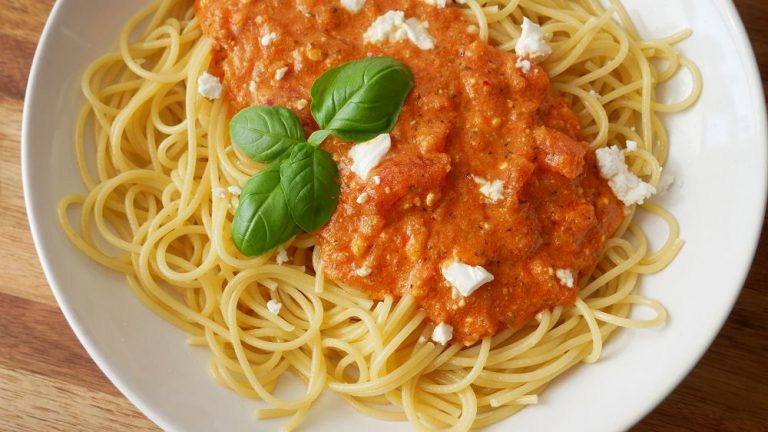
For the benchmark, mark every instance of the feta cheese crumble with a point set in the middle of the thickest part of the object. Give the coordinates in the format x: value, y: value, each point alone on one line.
x: 365, y: 156
x: 594, y: 94
x: 565, y: 277
x: 219, y: 192
x: 209, y: 86
x: 362, y: 198
x: 377, y: 180
x: 353, y: 6
x: 282, y: 256
x: 386, y: 27
x: 274, y: 306
x: 439, y: 3
x: 393, y: 27
x: 523, y: 64
x: 492, y: 190
x: 531, y: 43
x: 297, y: 60
x: 418, y: 34
x: 442, y: 333
x: 466, y: 278
x: 280, y: 73
x: 627, y: 187
x: 268, y: 38
x: 631, y: 145
x: 234, y: 190
x: 363, y: 271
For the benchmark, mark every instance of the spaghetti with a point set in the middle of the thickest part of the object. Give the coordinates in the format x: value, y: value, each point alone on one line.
x: 157, y: 209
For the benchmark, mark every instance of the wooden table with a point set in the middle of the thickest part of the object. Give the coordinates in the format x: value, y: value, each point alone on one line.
x: 48, y: 382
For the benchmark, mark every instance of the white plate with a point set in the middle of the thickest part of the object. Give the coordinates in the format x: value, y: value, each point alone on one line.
x: 718, y: 157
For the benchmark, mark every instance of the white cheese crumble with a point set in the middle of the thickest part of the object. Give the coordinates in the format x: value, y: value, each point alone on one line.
x: 594, y: 94
x: 531, y: 43
x: 363, y: 271
x: 631, y: 145
x: 422, y: 340
x: 365, y: 156
x: 219, y: 192
x: 523, y: 64
x: 393, y: 27
x: 297, y: 60
x: 418, y: 34
x: 234, y: 190
x: 625, y: 184
x: 466, y: 278
x: 353, y: 6
x: 492, y: 190
x: 280, y: 73
x: 302, y: 103
x: 442, y: 333
x: 386, y: 27
x: 268, y: 38
x: 439, y: 3
x: 362, y: 198
x: 565, y: 277
x: 472, y: 29
x: 274, y: 306
x: 209, y: 86
x: 377, y: 180
x: 282, y: 256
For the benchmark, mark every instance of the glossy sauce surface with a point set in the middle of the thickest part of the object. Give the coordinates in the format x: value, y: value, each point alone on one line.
x: 472, y: 114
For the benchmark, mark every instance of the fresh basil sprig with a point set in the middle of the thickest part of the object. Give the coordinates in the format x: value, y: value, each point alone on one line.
x: 360, y: 100
x: 300, y: 188
x: 265, y: 133
x: 262, y: 220
x: 309, y: 180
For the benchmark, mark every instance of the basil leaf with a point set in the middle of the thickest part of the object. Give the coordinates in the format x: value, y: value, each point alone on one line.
x: 310, y: 182
x: 318, y: 137
x: 262, y: 221
x: 265, y: 133
x: 361, y: 100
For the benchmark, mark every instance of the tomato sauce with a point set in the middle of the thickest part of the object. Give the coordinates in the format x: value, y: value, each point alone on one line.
x: 472, y: 113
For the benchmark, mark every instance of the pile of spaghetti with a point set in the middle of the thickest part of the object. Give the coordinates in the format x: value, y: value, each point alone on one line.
x: 149, y: 212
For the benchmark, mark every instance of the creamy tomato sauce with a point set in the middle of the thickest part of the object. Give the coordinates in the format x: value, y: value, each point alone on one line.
x: 472, y: 113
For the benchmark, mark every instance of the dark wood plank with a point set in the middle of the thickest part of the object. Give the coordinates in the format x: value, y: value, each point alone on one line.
x: 15, y: 66
x: 36, y: 338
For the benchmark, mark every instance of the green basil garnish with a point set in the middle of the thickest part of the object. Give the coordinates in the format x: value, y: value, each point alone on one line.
x: 310, y: 181
x: 318, y: 137
x: 361, y: 100
x: 355, y: 102
x: 262, y: 221
x: 265, y: 133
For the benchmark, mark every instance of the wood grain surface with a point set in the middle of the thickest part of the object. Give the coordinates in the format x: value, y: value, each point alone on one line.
x: 48, y: 382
